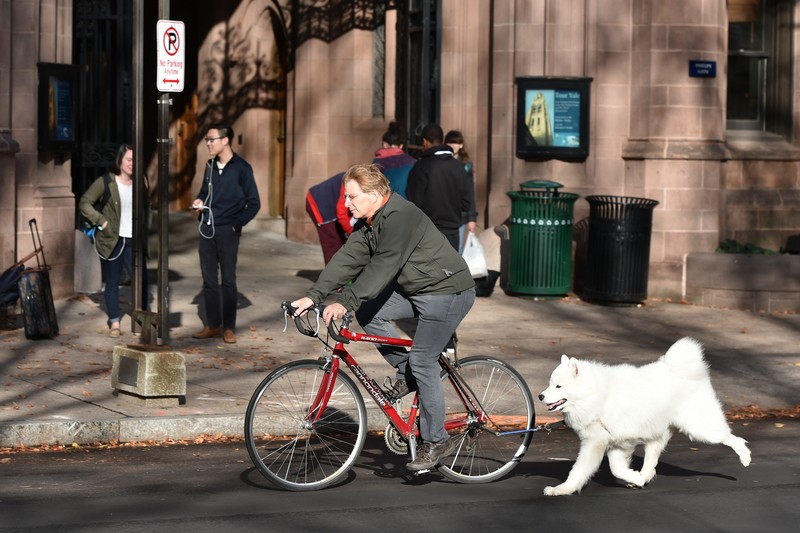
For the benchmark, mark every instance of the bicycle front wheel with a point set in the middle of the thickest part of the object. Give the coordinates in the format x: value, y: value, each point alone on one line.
x: 486, y: 449
x: 291, y: 440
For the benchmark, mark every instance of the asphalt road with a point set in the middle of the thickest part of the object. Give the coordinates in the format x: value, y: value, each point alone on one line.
x: 203, y: 488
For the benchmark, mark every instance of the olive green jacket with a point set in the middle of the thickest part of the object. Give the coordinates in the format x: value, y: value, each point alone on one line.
x: 106, y: 240
x: 401, y: 246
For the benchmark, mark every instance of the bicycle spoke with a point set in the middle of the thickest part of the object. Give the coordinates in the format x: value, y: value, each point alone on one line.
x: 505, y: 400
x: 293, y: 445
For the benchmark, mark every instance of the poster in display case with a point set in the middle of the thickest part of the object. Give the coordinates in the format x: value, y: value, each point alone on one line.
x: 58, y: 97
x: 552, y: 118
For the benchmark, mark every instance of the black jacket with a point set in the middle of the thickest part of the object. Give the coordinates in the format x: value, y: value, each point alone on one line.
x: 231, y: 194
x: 439, y: 185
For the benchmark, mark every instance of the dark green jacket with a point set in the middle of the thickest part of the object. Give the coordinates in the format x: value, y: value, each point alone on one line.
x: 401, y: 245
x: 106, y: 240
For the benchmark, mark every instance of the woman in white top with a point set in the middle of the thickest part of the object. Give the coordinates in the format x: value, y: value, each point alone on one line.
x: 113, y: 239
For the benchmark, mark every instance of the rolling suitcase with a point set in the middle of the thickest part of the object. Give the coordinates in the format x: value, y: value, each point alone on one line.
x: 35, y: 294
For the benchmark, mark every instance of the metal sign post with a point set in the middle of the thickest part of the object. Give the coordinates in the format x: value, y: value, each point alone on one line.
x: 169, y: 78
x: 140, y: 215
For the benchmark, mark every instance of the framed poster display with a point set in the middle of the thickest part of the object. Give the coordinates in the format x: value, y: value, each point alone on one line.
x: 552, y: 118
x: 58, y: 97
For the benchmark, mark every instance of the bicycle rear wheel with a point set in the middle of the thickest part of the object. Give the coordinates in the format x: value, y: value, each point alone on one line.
x: 293, y: 449
x: 482, y: 453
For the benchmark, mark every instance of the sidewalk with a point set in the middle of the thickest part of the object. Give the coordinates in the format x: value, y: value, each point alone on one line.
x: 59, y: 390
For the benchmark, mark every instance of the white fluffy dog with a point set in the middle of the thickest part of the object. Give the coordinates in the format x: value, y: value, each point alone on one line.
x: 613, y: 409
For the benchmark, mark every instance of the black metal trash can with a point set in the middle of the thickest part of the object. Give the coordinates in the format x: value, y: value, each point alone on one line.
x: 618, y: 257
x: 36, y: 300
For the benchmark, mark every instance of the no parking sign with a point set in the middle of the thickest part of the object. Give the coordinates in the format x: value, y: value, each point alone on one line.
x: 171, y: 52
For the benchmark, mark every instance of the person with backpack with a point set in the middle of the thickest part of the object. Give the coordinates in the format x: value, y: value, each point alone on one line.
x: 108, y: 206
x: 325, y: 206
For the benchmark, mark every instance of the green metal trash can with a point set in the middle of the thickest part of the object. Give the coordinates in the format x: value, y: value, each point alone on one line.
x: 540, y: 261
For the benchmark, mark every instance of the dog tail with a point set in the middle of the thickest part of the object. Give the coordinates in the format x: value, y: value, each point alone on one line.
x: 685, y: 358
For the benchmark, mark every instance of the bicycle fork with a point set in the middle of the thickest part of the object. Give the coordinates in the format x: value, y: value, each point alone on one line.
x: 323, y: 395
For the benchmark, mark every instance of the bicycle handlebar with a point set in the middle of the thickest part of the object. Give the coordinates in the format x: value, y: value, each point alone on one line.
x: 305, y: 327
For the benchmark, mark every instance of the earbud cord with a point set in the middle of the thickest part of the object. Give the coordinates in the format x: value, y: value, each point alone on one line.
x: 207, y: 207
x: 124, y: 240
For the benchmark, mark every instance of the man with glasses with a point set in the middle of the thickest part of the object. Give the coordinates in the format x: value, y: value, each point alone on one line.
x: 397, y: 265
x: 228, y: 200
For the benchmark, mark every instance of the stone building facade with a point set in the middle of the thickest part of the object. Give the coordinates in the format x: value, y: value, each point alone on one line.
x: 719, y: 153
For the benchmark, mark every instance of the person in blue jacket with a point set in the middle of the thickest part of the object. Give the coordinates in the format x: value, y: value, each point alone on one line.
x: 227, y: 201
x: 394, y: 162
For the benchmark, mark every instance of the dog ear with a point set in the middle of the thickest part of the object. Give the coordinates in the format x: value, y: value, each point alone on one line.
x: 564, y: 359
x: 573, y: 366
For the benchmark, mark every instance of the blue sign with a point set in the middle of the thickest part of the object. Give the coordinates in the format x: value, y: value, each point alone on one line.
x: 702, y: 69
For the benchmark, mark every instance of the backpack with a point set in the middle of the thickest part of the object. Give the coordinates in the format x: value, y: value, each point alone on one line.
x: 86, y: 225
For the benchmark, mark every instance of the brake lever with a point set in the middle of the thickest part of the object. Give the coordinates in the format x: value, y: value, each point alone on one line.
x: 289, y: 310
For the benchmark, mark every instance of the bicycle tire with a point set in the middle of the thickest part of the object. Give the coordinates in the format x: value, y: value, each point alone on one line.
x: 481, y: 455
x: 288, y: 450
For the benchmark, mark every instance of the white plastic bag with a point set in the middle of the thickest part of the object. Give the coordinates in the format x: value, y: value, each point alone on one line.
x: 473, y: 255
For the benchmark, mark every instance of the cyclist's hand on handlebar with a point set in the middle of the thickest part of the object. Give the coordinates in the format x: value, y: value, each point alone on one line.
x: 333, y: 312
x: 302, y: 305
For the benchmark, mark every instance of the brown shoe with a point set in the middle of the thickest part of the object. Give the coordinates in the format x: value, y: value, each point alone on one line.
x: 229, y: 337
x: 207, y: 333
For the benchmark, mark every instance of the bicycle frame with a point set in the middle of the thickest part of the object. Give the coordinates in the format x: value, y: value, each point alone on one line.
x: 405, y: 426
x: 309, y: 446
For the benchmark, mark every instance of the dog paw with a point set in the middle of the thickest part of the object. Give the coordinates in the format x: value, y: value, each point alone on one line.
x: 557, y: 491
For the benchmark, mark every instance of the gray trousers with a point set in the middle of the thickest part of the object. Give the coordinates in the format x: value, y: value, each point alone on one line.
x: 438, y: 317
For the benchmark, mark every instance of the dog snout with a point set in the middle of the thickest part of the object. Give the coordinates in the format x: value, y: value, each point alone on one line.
x: 541, y: 397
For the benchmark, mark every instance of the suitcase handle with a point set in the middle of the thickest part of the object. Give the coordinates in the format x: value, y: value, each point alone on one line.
x: 37, y: 245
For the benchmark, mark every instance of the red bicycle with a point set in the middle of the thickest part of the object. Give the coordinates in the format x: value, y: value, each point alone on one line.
x: 306, y: 422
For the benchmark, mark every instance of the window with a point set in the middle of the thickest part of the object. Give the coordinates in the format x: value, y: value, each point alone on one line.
x: 760, y: 65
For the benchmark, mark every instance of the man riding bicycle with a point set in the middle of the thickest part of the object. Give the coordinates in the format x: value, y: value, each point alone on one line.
x: 396, y: 264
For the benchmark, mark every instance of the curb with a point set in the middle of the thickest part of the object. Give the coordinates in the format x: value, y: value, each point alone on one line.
x: 66, y: 433
x: 43, y: 433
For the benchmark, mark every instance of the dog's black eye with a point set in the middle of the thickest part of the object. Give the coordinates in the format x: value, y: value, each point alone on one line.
x: 558, y: 386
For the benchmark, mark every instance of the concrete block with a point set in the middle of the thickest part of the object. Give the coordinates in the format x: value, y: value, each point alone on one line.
x: 157, y: 378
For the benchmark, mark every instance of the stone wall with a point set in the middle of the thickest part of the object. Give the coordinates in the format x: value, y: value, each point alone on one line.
x: 761, y: 283
x: 762, y: 193
x: 330, y: 119
x: 33, y: 32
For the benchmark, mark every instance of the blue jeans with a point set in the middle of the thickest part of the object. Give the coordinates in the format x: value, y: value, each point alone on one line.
x: 438, y: 317
x: 218, y: 257
x: 120, y: 258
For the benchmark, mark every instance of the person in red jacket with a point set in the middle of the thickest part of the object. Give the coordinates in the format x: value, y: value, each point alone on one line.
x: 325, y: 206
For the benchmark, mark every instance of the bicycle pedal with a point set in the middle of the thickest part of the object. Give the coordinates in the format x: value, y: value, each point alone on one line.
x: 425, y: 471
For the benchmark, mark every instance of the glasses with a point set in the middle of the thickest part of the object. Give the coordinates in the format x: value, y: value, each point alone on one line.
x: 351, y: 196
x: 212, y: 139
